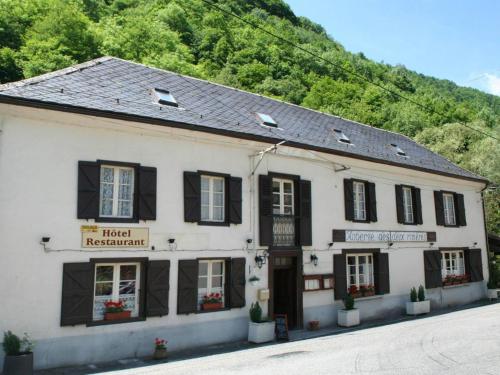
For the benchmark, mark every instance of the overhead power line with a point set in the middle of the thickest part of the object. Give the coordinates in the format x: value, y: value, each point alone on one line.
x: 349, y: 71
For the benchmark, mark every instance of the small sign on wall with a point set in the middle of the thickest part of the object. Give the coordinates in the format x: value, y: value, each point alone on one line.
x: 94, y: 236
x: 347, y: 235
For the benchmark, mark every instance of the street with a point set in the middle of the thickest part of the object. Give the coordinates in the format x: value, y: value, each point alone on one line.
x: 462, y: 342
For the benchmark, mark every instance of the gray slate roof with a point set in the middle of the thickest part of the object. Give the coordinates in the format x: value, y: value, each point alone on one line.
x: 115, y: 87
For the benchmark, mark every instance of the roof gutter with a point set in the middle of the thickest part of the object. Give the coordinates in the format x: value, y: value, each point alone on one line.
x: 33, y: 103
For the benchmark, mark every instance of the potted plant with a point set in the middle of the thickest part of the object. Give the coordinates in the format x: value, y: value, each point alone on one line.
x: 349, y: 316
x: 212, y: 301
x: 259, y: 330
x: 115, y: 311
x: 418, y: 304
x: 160, y: 349
x: 354, y: 291
x: 313, y: 325
x: 254, y: 280
x: 18, y: 354
x: 492, y: 288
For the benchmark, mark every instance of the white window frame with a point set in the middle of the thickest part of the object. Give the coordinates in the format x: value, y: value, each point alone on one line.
x: 449, y: 209
x: 210, y: 289
x: 456, y: 263
x: 409, y: 215
x: 116, y: 191
x: 369, y: 276
x: 211, y: 206
x: 282, y: 194
x: 359, y: 200
x: 115, y: 296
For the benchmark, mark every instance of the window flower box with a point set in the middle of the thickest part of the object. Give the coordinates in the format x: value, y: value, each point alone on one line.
x: 212, y: 301
x: 367, y: 291
x: 117, y: 315
x: 456, y: 279
x: 211, y: 306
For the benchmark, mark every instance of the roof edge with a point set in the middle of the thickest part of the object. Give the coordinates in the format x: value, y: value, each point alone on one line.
x: 33, y: 103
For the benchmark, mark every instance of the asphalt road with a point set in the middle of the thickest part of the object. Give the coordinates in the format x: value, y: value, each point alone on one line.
x: 462, y: 342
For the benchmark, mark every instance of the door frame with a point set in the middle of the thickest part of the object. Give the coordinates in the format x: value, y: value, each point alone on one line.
x: 297, y: 254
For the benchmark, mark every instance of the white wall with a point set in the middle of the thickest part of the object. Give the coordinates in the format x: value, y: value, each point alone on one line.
x: 39, y: 152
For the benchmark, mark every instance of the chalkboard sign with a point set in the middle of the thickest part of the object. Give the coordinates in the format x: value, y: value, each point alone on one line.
x: 281, y: 326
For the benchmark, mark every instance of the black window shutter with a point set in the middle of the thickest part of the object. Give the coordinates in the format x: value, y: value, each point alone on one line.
x: 147, y: 193
x: 157, y: 287
x: 460, y: 209
x: 192, y: 197
x: 187, y: 293
x: 372, y: 201
x: 417, y: 206
x: 474, y: 264
x: 305, y: 213
x: 88, y: 190
x: 340, y: 276
x: 77, y: 290
x: 381, y: 265
x: 432, y: 267
x: 399, y: 204
x: 235, y: 198
x: 438, y: 204
x: 348, y: 200
x: 265, y: 211
x: 237, y: 283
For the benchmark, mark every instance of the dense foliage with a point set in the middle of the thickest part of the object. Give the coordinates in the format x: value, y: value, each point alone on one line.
x: 188, y: 36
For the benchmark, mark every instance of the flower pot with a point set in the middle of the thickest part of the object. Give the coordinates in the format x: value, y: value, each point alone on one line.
x: 261, y: 332
x: 117, y: 315
x: 21, y: 364
x: 211, y: 306
x: 160, y: 354
x: 492, y: 294
x: 369, y: 293
x: 348, y: 318
x: 417, y: 308
x: 313, y: 325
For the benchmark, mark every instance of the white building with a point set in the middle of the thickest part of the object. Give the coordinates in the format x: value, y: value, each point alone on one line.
x: 120, y: 181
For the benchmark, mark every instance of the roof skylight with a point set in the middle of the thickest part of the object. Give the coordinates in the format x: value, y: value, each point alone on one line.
x: 165, y: 97
x: 341, y: 137
x: 266, y: 120
x: 398, y: 149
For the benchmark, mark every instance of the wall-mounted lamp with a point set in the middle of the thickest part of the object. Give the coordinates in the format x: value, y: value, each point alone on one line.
x: 249, y: 241
x: 260, y: 260
x: 314, y: 259
x: 390, y: 244
x: 431, y: 244
x: 45, y: 240
x: 330, y: 244
x: 171, y: 244
x: 474, y: 244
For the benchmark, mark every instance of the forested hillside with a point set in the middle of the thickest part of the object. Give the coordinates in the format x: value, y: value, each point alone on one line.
x: 190, y: 37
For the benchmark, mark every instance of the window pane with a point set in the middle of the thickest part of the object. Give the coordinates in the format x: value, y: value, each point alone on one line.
x: 287, y: 187
x: 126, y: 176
x: 218, y: 199
x: 218, y: 213
x: 351, y: 260
x: 276, y: 186
x: 125, y: 192
x: 202, y: 282
x: 107, y: 174
x: 288, y: 210
x: 107, y: 191
x: 128, y: 272
x: 107, y: 207
x: 104, y: 289
x: 287, y: 199
x: 127, y: 287
x: 205, y: 215
x: 204, y: 183
x: 204, y: 197
x: 125, y: 208
x: 217, y: 268
x: 276, y: 199
x: 216, y: 281
x: 202, y: 268
x: 104, y: 273
x: 218, y: 184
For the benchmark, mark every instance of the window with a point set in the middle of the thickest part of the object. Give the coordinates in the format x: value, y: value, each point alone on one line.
x: 449, y: 209
x: 318, y: 282
x: 212, y: 198
x: 283, y: 197
x: 211, y: 275
x: 266, y: 120
x: 398, y: 149
x: 116, y: 282
x: 359, y: 270
x: 359, y: 200
x: 408, y: 205
x: 116, y: 192
x: 452, y: 263
x: 341, y: 137
x: 165, y: 97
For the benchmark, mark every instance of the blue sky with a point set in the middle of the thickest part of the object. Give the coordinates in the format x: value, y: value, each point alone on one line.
x: 457, y: 40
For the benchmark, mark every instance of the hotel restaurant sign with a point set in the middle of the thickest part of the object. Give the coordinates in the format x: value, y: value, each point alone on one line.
x: 382, y: 236
x: 94, y: 236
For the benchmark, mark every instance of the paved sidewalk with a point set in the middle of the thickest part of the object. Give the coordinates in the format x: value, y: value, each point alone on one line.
x: 296, y: 335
